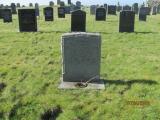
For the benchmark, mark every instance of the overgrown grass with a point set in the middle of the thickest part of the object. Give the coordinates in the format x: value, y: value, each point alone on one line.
x: 30, y: 66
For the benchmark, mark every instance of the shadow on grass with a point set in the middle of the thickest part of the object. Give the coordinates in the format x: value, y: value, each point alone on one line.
x: 129, y: 83
x: 145, y: 32
x: 53, y: 31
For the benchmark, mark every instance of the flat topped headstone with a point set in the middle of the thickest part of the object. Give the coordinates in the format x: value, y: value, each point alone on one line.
x: 143, y: 14
x: 154, y: 10
x: 78, y: 21
x: 81, y: 54
x: 27, y: 20
x: 48, y: 12
x: 127, y: 19
x: 112, y: 9
x: 100, y: 14
x: 13, y: 7
x: 7, y: 15
x: 61, y: 12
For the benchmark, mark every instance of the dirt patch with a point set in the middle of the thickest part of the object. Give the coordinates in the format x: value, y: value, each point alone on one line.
x: 51, y: 114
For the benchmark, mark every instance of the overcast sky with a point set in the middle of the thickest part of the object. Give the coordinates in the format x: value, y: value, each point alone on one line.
x: 85, y: 2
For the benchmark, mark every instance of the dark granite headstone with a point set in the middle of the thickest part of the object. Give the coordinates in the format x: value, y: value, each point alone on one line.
x: 18, y: 5
x: 13, y: 7
x: 143, y: 14
x: 27, y: 20
x: 127, y: 7
x: 111, y: 9
x: 127, y: 19
x: 37, y: 9
x: 154, y: 10
x: 78, y: 21
x: 30, y: 5
x: 135, y: 8
x: 67, y: 9
x: 61, y: 12
x: 51, y: 3
x: 69, y: 2
x: 48, y: 12
x: 100, y: 14
x: 7, y: 15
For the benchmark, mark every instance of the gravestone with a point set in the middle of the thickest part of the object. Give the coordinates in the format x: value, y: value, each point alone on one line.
x: 106, y: 7
x: 127, y: 7
x: 158, y: 9
x: 67, y: 9
x: 119, y: 8
x: 78, y: 21
x: 30, y: 5
x: 81, y: 58
x: 143, y: 14
x: 27, y: 20
x: 135, y: 8
x: 69, y: 2
x: 23, y: 6
x: 127, y: 19
x: 111, y: 9
x: 154, y: 10
x: 62, y: 4
x: 78, y: 4
x: 18, y: 5
x: 61, y: 12
x: 48, y: 12
x: 7, y: 15
x: 93, y: 9
x: 100, y: 14
x: 13, y: 7
x: 37, y: 9
x: 51, y: 3
x: 58, y: 2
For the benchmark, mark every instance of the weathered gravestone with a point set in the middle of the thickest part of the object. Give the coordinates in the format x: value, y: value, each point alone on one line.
x: 69, y: 2
x: 13, y: 7
x: 61, y: 12
x: 127, y: 19
x: 67, y: 9
x: 154, y: 10
x: 37, y: 9
x: 81, y: 56
x: 78, y: 21
x: 135, y: 8
x: 7, y: 15
x: 127, y: 7
x: 93, y: 9
x: 30, y: 5
x: 48, y: 12
x: 111, y: 9
x: 100, y: 14
x: 158, y: 9
x: 27, y: 20
x: 143, y: 14
x: 18, y: 5
x: 51, y: 3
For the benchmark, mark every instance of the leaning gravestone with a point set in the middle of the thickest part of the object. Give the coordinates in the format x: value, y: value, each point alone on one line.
x: 93, y: 9
x: 61, y: 12
x: 127, y: 19
x: 111, y: 9
x: 48, y: 12
x: 78, y: 21
x: 7, y: 15
x: 154, y: 10
x: 127, y: 7
x: 36, y: 9
x: 135, y: 8
x: 143, y: 14
x: 81, y: 56
x: 13, y: 7
x: 100, y: 14
x: 27, y: 20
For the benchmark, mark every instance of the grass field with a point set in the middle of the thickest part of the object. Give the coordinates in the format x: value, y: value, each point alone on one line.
x: 30, y: 67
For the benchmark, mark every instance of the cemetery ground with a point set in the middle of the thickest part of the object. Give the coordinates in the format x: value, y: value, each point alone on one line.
x: 30, y: 72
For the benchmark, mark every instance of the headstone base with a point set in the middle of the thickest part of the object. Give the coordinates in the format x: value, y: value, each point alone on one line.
x: 73, y: 85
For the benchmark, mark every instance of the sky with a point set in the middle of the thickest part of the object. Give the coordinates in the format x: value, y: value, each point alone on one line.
x: 84, y: 2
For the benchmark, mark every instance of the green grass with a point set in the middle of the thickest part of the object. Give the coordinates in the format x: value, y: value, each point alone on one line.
x: 30, y: 66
